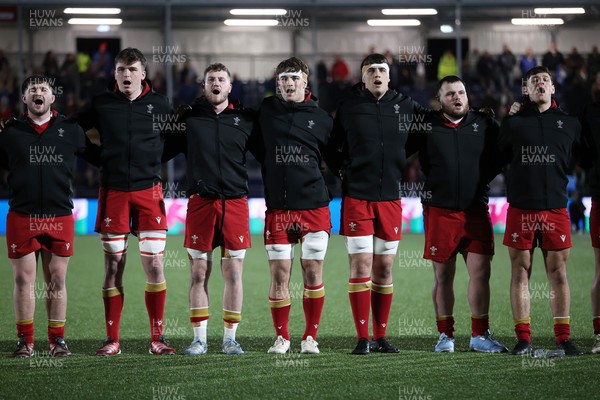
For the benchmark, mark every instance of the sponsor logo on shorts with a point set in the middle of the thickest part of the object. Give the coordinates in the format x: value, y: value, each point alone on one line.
x: 396, y: 229
x: 515, y: 235
x: 352, y: 226
x: 158, y: 220
x: 107, y: 221
x: 563, y: 237
x: 13, y: 247
x: 194, y: 237
x: 268, y: 234
x: 241, y: 239
x: 68, y: 245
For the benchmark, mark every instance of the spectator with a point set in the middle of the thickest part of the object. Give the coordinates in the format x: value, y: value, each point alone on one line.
x: 50, y: 64
x: 527, y: 62
x: 575, y: 64
x: 339, y: 69
x: 593, y: 64
x: 506, y: 62
x: 447, y: 65
x: 485, y: 69
x: 553, y: 59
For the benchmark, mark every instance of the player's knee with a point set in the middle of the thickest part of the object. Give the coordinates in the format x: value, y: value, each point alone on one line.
x: 234, y: 254
x: 359, y: 244
x: 314, y: 245
x: 279, y: 251
x: 383, y: 247
x: 200, y: 255
x: 114, y: 244
x: 152, y: 243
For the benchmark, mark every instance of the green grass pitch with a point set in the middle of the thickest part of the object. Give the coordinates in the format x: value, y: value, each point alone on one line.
x: 415, y: 373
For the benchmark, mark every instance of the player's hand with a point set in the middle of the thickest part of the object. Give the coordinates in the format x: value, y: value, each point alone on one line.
x: 515, y: 108
x: 488, y: 111
x: 4, y: 124
x: 182, y: 110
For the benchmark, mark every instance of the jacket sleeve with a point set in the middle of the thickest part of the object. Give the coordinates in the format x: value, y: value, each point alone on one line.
x: 87, y: 117
x: 495, y: 158
x: 504, y: 146
x: 255, y: 144
x: 336, y: 150
x: 585, y: 152
x: 86, y: 149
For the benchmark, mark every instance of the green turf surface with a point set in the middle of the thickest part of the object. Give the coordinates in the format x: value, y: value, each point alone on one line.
x: 415, y: 373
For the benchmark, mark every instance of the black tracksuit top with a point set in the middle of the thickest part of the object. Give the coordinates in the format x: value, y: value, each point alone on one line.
x: 368, y: 143
x: 538, y: 147
x: 41, y: 165
x: 591, y: 131
x: 458, y: 162
x: 130, y: 131
x: 293, y: 136
x: 216, y: 146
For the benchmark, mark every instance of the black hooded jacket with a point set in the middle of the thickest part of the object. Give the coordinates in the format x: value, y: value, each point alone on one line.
x: 216, y: 146
x: 538, y: 147
x: 41, y: 165
x: 131, y: 136
x: 368, y: 143
x: 293, y: 137
x: 459, y: 161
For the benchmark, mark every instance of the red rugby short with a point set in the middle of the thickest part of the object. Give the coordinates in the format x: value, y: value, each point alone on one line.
x: 289, y: 226
x: 548, y: 229
x: 125, y: 212
x: 448, y: 232
x: 204, y: 219
x: 28, y: 233
x: 364, y: 217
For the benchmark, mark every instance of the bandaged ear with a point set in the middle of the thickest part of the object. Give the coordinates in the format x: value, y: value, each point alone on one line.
x: 366, y: 68
x: 299, y: 74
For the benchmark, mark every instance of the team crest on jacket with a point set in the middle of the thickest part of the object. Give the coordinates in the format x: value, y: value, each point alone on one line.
x: 311, y: 123
x: 397, y: 109
x: 236, y: 121
x: 61, y: 132
x: 475, y: 127
x: 559, y: 124
x: 150, y: 108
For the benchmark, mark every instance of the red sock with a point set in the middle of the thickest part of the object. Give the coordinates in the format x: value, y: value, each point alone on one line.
x: 56, y: 331
x: 596, y: 325
x: 25, y: 329
x: 445, y: 324
x: 113, y: 307
x: 562, y: 332
x: 280, y: 312
x: 523, y: 331
x: 381, y: 303
x: 312, y: 302
x: 359, y: 291
x: 155, y: 295
x: 479, y: 324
